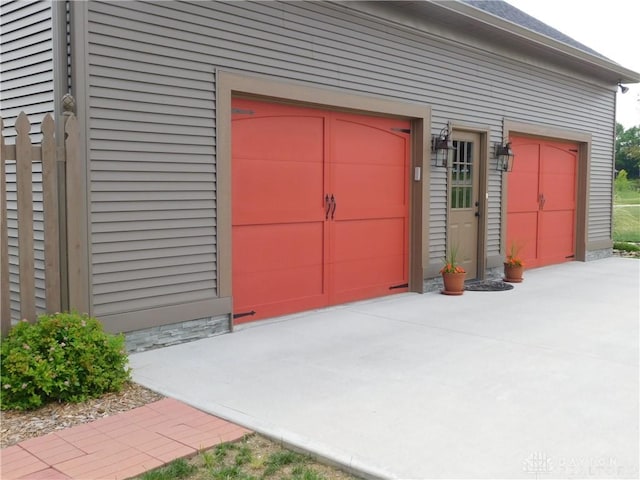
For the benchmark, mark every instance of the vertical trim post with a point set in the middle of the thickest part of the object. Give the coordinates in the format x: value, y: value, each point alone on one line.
x: 77, y: 165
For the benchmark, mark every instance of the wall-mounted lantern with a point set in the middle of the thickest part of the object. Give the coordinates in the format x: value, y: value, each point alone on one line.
x: 442, y: 145
x: 505, y: 157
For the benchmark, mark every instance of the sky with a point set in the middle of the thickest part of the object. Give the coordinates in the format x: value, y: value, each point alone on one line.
x: 610, y: 27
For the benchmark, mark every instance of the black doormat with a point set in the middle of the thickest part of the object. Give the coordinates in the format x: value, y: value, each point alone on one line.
x: 488, y: 286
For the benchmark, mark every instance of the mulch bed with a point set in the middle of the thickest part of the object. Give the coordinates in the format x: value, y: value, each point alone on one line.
x: 488, y: 286
x: 17, y: 426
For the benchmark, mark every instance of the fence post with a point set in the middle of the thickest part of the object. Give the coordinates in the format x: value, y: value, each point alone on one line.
x: 61, y: 170
x: 5, y: 299
x: 24, y: 179
x: 78, y: 289
x: 50, y: 208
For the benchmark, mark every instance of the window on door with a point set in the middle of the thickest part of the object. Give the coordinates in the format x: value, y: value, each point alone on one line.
x: 462, y: 175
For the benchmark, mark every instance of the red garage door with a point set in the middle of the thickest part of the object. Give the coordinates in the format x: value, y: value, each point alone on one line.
x: 541, y: 202
x: 319, y: 208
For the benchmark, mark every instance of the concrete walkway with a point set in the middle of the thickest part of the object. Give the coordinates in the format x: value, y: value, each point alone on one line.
x: 541, y: 381
x: 118, y: 447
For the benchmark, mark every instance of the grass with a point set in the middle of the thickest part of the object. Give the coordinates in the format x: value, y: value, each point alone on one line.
x: 253, y: 458
x: 178, y: 469
x: 626, y: 215
x: 627, y: 197
x: 626, y: 223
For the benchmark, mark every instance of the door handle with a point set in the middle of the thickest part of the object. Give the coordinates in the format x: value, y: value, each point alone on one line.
x: 333, y: 203
x: 541, y: 201
x: 327, y: 206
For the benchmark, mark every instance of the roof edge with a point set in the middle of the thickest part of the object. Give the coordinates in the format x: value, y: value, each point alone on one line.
x: 493, y: 21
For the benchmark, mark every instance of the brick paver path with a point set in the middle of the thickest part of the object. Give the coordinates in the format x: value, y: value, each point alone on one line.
x: 120, y: 446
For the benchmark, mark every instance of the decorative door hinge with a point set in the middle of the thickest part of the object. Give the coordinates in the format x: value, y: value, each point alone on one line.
x: 404, y: 285
x: 243, y: 314
x: 242, y: 112
x: 402, y: 130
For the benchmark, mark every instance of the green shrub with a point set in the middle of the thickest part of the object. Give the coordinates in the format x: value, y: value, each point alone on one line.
x: 621, y: 183
x: 627, y: 247
x: 64, y: 357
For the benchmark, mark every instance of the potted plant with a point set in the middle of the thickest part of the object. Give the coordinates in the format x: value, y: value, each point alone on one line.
x: 453, y: 275
x: 513, y: 266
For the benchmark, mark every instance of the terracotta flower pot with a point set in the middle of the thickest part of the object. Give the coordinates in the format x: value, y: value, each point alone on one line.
x: 453, y: 283
x: 513, y: 273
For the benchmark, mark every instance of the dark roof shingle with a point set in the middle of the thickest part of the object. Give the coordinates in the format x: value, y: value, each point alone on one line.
x: 512, y: 14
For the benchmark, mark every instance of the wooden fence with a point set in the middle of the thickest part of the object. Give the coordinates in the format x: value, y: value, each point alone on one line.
x: 24, y: 154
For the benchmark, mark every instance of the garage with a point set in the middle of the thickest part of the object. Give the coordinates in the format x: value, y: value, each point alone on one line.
x: 320, y: 208
x: 541, y: 200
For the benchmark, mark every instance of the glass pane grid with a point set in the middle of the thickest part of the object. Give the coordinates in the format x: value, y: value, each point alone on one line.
x: 461, y: 175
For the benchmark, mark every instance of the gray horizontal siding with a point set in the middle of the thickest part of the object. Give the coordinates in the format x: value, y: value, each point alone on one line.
x: 153, y: 196
x: 156, y: 60
x: 26, y: 84
x: 26, y: 63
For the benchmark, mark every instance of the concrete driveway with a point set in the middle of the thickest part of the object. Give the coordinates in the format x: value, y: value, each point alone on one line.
x: 541, y: 381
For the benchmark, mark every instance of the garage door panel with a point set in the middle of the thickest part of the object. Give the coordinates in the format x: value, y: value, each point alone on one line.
x: 369, y: 174
x: 288, y: 254
x: 522, y: 232
x: 273, y: 263
x: 558, y: 179
x: 385, y: 271
x: 559, y: 193
x: 371, y: 238
x: 249, y: 134
x: 522, y: 195
x: 374, y: 188
x: 558, y: 159
x: 378, y: 280
x: 277, y: 246
x: 273, y: 309
x: 263, y: 288
x: 352, y: 142
x: 544, y: 222
x: 556, y: 236
x: 368, y: 255
x: 276, y: 191
x: 253, y: 137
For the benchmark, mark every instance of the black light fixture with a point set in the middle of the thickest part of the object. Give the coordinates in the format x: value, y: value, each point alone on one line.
x: 505, y: 157
x: 623, y: 89
x: 441, y: 145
